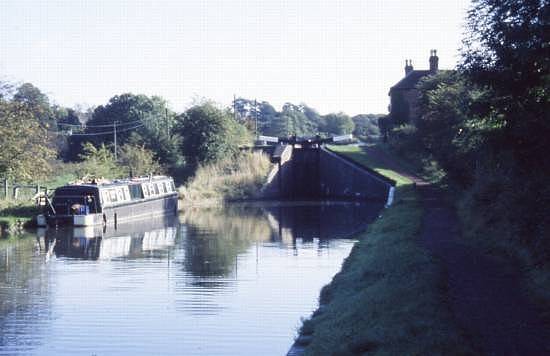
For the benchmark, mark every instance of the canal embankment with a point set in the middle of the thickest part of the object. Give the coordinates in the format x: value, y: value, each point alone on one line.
x: 390, y: 296
x: 478, y: 302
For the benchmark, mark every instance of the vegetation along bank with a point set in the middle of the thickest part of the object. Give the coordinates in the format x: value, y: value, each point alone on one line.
x: 389, y: 298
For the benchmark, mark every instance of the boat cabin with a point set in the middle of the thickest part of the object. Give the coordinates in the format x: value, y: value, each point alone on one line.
x: 91, y: 204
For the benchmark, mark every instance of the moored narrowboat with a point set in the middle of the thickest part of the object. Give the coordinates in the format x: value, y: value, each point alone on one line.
x: 111, y: 202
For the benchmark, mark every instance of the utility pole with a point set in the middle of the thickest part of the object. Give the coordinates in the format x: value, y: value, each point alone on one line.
x: 235, y: 107
x: 256, y: 117
x: 167, y: 122
x: 114, y: 138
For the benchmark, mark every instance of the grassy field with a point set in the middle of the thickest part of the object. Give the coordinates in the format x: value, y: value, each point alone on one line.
x: 389, y: 297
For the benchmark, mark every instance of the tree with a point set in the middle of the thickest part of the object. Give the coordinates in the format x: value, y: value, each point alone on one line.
x: 98, y: 162
x: 450, y: 128
x: 36, y: 101
x: 294, y: 122
x: 366, y: 125
x: 312, y: 116
x: 337, y: 124
x: 6, y: 90
x: 138, y: 160
x: 147, y: 120
x: 209, y: 133
x: 271, y: 122
x: 507, y: 51
x: 23, y: 154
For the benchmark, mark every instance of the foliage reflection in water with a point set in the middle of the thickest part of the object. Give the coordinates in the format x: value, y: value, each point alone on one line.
x: 218, y: 281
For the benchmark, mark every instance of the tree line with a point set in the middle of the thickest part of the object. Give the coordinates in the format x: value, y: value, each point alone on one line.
x: 485, y: 126
x: 150, y: 136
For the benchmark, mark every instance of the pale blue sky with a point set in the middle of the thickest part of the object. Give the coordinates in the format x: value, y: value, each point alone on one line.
x: 334, y: 55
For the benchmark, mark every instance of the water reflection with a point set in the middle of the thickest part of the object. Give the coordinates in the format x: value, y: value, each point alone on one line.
x: 325, y: 220
x: 132, y: 240
x: 216, y: 281
x: 23, y: 284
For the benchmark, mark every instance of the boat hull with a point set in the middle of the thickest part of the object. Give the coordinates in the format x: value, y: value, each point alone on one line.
x: 114, y: 215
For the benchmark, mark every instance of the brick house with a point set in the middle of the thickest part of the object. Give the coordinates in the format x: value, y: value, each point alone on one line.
x: 404, y: 95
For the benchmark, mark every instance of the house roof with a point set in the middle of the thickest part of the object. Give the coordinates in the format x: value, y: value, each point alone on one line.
x: 411, y: 79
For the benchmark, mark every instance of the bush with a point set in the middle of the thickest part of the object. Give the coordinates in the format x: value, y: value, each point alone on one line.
x: 228, y: 179
x: 137, y: 160
x: 403, y: 138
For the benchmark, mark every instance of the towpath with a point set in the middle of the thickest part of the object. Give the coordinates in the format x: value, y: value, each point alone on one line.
x: 484, y: 293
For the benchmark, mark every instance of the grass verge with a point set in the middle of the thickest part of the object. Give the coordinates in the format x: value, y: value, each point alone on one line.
x: 230, y: 179
x: 389, y: 297
x: 15, y: 216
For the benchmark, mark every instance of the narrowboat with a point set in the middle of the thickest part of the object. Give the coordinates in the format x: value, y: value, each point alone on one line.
x: 111, y: 202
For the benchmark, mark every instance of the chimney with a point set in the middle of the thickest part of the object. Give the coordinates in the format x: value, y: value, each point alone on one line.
x: 408, y: 66
x: 434, y: 61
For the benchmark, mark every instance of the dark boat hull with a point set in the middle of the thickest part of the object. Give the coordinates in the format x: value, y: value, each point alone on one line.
x: 114, y: 215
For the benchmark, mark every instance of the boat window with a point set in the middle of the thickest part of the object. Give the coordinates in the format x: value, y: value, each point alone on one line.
x: 104, y: 196
x: 112, y: 195
x: 135, y: 191
x: 125, y: 194
x: 161, y: 188
x: 173, y: 186
x: 156, y: 187
x: 152, y: 189
x: 119, y: 194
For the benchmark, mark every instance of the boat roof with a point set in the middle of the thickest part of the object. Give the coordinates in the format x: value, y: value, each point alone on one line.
x: 117, y: 182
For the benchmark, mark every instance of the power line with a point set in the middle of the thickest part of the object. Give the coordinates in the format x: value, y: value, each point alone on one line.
x: 108, y: 125
x: 99, y: 133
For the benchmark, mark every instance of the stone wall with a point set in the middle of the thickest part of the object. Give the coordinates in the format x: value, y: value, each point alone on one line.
x: 344, y: 179
x: 317, y: 173
x: 278, y: 181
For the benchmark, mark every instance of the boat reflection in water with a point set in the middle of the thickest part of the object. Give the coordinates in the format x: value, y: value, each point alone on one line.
x: 130, y: 240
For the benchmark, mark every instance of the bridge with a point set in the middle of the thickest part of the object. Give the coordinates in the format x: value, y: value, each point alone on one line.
x: 307, y: 169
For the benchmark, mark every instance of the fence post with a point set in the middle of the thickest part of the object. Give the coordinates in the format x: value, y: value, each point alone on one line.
x: 6, y: 189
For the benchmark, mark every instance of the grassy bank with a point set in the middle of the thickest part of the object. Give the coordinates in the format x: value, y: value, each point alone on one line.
x: 15, y: 215
x: 389, y: 297
x: 485, y: 227
x: 484, y: 212
x: 229, y: 179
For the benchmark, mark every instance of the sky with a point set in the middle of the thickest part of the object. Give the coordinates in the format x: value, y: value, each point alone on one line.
x: 333, y: 55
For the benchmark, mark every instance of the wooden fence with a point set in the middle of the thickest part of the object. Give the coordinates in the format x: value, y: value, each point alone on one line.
x: 17, y: 191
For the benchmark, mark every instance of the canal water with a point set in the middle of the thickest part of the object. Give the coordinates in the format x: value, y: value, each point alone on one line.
x: 235, y: 281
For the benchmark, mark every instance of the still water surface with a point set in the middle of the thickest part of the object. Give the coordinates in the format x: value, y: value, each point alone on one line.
x: 213, y: 282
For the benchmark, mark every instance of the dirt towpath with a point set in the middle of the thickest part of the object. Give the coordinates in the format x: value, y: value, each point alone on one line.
x: 484, y: 293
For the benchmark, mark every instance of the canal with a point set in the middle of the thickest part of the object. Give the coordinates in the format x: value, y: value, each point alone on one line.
x: 230, y: 281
